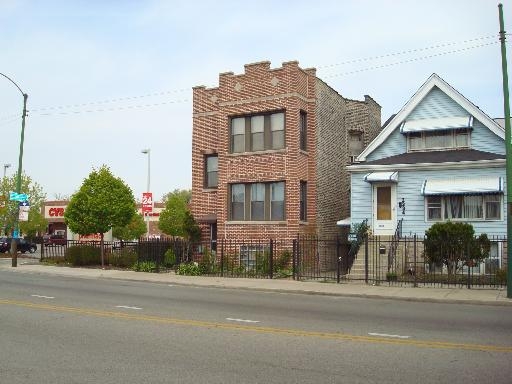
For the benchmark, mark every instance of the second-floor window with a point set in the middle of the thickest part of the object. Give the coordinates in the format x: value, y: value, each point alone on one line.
x: 257, y: 202
x: 257, y: 133
x: 303, y: 121
x: 355, y: 143
x: 211, y: 171
x: 436, y: 140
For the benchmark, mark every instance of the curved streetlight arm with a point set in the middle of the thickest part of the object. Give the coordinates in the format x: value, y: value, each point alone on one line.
x: 14, y: 245
x: 12, y: 81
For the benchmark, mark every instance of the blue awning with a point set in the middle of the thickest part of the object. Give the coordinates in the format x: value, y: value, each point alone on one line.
x: 381, y: 176
x: 436, y: 124
x: 481, y: 185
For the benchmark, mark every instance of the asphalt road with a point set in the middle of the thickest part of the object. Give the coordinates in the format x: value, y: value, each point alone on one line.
x: 67, y: 330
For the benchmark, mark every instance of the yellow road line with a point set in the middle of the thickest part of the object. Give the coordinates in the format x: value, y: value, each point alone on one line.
x: 254, y: 328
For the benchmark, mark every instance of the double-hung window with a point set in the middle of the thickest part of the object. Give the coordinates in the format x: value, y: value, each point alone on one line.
x: 257, y: 201
x: 257, y: 132
x: 303, y: 216
x: 238, y: 134
x: 303, y: 121
x: 211, y: 171
x: 237, y: 201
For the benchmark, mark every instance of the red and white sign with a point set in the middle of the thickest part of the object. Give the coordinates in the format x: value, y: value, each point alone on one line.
x: 147, y: 202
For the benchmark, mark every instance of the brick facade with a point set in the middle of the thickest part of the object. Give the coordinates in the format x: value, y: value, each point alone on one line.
x: 292, y: 90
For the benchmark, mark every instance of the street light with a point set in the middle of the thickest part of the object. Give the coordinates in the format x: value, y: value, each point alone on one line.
x: 5, y: 168
x: 14, y: 245
x: 147, y: 151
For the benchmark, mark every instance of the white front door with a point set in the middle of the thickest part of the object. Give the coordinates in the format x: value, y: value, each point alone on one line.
x: 384, y: 208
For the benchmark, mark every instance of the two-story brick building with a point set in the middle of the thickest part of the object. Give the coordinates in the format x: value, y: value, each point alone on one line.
x: 269, y: 151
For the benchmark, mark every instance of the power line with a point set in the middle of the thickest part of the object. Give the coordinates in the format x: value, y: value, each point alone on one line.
x: 410, y: 60
x: 353, y: 61
x: 58, y: 110
x: 109, y: 100
x: 120, y: 108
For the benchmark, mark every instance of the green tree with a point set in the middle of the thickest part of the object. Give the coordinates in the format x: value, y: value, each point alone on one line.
x: 102, y: 202
x: 172, y: 218
x: 454, y: 244
x: 36, y: 223
x: 133, y: 230
x: 9, y: 210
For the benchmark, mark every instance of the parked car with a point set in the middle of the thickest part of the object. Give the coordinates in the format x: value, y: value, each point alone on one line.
x: 55, y: 239
x: 23, y: 245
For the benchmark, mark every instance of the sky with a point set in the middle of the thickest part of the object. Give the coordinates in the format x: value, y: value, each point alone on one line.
x: 106, y: 79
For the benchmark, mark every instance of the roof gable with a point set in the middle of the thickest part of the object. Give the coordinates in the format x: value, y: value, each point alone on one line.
x: 432, y: 82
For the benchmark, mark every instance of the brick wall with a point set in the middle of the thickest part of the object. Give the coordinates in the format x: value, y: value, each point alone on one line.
x: 261, y: 89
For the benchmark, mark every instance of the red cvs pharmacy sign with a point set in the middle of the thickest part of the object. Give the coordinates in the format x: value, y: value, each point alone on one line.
x: 147, y: 202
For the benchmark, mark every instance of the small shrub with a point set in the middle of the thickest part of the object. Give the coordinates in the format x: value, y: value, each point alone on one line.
x: 391, y: 276
x: 189, y: 269
x: 145, y: 266
x: 80, y: 255
x: 124, y: 258
x: 169, y: 258
x: 207, y: 262
x: 501, y: 275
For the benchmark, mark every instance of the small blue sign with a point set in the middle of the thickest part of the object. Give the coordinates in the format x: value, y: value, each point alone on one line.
x: 24, y: 203
x: 15, y: 234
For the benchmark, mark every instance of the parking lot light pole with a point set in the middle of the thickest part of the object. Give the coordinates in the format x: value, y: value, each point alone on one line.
x: 147, y: 151
x: 5, y: 168
x: 14, y: 245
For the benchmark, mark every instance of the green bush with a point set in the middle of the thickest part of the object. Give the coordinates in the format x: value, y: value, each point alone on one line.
x: 501, y: 275
x: 123, y: 258
x: 145, y: 266
x: 79, y: 255
x: 169, y: 258
x: 391, y: 276
x: 189, y: 269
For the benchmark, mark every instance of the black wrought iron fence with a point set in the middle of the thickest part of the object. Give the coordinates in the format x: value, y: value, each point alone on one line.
x: 412, y: 265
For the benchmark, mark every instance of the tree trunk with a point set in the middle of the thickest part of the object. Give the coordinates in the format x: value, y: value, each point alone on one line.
x: 102, y: 251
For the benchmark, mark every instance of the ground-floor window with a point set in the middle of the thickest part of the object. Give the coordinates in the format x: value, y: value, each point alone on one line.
x: 464, y: 207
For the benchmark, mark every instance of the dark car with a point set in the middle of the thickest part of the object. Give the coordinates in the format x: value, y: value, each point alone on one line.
x: 23, y: 245
x: 55, y: 239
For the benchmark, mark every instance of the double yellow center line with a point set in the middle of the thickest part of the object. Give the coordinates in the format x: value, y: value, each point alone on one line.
x: 259, y: 329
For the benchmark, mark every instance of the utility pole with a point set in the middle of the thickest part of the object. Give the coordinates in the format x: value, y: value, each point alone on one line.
x: 508, y: 149
x: 14, y: 244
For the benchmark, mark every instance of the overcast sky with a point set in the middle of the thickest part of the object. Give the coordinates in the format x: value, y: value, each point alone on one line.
x: 106, y: 79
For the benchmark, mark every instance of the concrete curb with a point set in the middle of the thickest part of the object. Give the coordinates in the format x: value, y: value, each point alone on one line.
x: 350, y: 290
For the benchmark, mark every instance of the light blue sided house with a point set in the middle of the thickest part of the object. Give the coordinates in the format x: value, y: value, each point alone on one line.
x: 439, y: 158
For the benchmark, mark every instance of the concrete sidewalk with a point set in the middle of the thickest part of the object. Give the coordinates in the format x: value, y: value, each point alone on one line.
x: 351, y: 289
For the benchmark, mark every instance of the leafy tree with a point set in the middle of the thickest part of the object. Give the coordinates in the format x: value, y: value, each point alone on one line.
x: 133, y: 230
x: 9, y: 210
x: 36, y: 223
x: 102, y: 202
x: 454, y: 244
x: 172, y: 218
x: 184, y: 194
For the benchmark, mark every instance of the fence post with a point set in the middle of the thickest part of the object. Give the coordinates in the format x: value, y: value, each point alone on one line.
x: 271, y: 259
x: 366, y: 258
x: 222, y: 257
x: 338, y: 258
x: 468, y: 264
x: 294, y: 261
x: 415, y: 266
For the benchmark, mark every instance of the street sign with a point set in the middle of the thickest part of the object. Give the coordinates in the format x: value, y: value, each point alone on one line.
x: 23, y: 216
x: 24, y: 206
x: 14, y: 196
x: 147, y: 202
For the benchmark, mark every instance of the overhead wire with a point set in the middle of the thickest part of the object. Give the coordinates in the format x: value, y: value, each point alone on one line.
x: 78, y: 108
